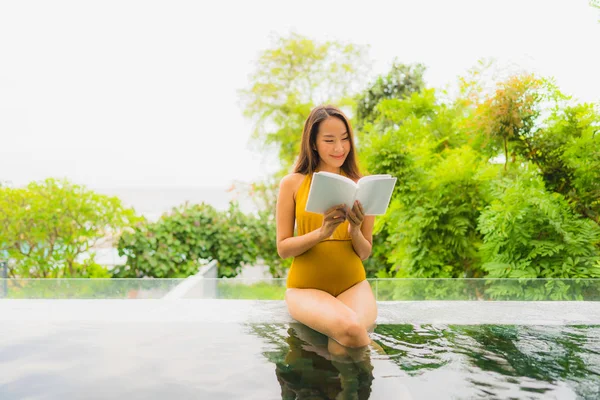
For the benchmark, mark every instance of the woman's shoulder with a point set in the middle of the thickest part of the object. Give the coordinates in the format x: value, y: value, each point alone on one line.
x: 292, y: 182
x: 292, y: 178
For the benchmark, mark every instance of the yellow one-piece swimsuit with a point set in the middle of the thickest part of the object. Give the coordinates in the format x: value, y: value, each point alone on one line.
x: 331, y: 265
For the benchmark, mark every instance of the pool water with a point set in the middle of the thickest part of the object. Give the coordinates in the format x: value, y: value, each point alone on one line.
x: 199, y: 360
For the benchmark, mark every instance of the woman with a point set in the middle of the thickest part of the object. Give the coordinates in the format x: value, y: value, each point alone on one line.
x: 327, y: 286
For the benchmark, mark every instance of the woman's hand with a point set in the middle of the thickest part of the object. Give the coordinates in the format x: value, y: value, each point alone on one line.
x: 356, y: 216
x: 332, y: 219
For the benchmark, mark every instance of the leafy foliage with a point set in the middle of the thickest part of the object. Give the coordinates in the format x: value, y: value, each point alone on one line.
x: 510, y: 113
x: 401, y: 81
x: 441, y: 151
x: 178, y: 242
x: 567, y: 152
x: 264, y: 196
x: 48, y: 227
x: 430, y: 229
x: 530, y: 233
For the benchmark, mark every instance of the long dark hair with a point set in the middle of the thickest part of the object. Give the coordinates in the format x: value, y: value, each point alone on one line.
x: 308, y: 159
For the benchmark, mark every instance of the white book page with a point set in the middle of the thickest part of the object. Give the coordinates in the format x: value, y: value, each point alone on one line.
x: 375, y: 194
x: 336, y: 176
x: 372, y: 177
x: 328, y: 190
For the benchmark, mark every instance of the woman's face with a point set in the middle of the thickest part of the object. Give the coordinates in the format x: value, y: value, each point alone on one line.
x: 333, y: 142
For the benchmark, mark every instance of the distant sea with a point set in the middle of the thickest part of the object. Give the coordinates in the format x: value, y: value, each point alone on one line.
x: 153, y: 201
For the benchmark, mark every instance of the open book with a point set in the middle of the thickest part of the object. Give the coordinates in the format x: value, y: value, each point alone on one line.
x: 327, y: 190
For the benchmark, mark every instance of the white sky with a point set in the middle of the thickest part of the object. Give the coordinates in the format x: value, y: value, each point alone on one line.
x: 111, y: 93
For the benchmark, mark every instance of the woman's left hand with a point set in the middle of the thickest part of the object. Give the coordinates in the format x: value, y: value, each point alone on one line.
x: 355, y: 217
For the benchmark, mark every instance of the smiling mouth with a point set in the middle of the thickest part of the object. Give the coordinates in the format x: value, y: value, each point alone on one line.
x: 342, y: 156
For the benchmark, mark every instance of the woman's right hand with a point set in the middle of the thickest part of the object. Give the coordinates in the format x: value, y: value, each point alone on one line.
x: 332, y: 218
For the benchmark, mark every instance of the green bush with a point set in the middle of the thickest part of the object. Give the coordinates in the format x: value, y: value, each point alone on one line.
x: 176, y: 244
x: 530, y: 233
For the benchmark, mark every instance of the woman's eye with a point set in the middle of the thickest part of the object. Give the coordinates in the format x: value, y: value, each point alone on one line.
x: 346, y: 138
x: 329, y: 141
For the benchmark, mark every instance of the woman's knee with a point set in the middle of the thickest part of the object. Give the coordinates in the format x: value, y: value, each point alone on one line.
x: 352, y: 333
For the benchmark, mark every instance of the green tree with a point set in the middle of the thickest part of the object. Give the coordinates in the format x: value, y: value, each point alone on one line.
x: 290, y: 79
x: 401, y: 81
x: 528, y: 118
x: 566, y: 151
x: 430, y: 229
x: 509, y: 114
x: 48, y: 227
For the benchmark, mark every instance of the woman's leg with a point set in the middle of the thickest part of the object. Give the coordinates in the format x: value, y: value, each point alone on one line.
x: 360, y: 299
x: 324, y: 313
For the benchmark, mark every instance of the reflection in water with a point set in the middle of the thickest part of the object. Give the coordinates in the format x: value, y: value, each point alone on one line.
x: 309, y: 371
x: 438, y: 361
x: 306, y: 369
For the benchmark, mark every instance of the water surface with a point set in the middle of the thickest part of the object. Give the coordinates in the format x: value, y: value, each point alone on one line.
x: 151, y: 360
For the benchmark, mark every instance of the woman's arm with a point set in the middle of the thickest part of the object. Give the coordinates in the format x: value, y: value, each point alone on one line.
x: 289, y: 245
x: 296, y: 245
x: 361, y: 232
x: 361, y: 245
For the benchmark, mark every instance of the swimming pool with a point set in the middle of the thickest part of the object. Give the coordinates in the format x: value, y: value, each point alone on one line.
x: 222, y: 348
